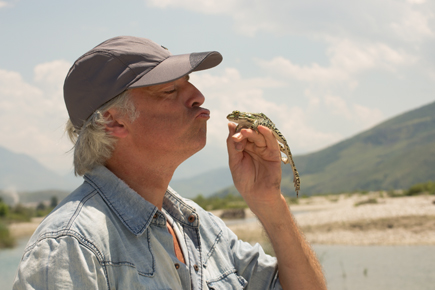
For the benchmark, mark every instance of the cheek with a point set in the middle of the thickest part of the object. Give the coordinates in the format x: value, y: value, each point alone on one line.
x: 158, y: 128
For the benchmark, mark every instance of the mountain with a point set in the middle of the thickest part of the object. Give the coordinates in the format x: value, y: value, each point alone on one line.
x: 20, y: 172
x: 395, y: 154
x: 206, y: 183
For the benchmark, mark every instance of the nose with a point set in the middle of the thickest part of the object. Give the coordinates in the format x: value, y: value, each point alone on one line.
x: 194, y: 97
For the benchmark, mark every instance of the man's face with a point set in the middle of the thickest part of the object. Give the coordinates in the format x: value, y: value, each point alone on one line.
x: 170, y: 119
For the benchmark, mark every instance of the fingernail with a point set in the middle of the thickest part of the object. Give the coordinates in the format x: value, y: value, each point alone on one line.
x: 237, y: 135
x: 239, y: 146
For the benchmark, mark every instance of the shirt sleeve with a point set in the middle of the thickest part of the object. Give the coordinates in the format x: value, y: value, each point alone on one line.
x: 61, y: 263
x: 251, y: 262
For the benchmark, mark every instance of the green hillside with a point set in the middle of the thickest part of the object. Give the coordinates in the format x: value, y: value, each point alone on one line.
x: 396, y: 154
x: 393, y: 155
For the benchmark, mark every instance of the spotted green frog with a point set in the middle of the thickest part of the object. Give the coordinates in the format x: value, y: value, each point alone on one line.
x: 252, y: 121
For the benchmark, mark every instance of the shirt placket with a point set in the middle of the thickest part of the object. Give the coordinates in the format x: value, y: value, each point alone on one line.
x: 193, y: 244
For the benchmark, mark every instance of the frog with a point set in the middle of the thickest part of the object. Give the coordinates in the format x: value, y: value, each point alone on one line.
x: 252, y: 121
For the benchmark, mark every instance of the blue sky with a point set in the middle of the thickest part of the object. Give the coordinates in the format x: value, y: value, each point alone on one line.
x: 323, y: 71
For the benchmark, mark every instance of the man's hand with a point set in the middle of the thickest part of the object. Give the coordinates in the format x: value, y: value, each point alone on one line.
x: 255, y: 163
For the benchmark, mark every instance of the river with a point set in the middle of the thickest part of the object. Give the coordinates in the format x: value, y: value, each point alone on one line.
x: 9, y: 260
x: 345, y: 267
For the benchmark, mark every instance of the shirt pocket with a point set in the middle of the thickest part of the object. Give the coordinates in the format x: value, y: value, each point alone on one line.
x: 228, y: 281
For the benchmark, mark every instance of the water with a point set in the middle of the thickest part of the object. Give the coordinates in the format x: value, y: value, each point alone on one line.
x: 9, y: 260
x: 378, y: 267
x: 345, y: 267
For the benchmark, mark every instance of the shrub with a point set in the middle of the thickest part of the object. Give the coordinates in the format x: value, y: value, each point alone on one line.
x: 212, y: 203
x: 21, y: 213
x: 4, y: 210
x: 6, y: 241
x: 421, y: 188
x: 367, y: 201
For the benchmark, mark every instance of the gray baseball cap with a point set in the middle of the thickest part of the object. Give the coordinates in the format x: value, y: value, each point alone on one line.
x: 123, y: 63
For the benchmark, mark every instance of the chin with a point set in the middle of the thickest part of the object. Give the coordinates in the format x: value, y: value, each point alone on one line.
x: 201, y: 145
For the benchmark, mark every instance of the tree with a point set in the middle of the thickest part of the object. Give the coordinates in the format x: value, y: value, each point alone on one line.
x: 40, y: 206
x: 53, y: 202
x: 4, y: 209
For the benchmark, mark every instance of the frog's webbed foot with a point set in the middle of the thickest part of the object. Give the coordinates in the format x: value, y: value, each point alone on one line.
x: 254, y: 126
x: 238, y: 128
x: 285, y: 159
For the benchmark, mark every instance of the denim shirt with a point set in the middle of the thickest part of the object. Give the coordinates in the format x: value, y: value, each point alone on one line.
x: 105, y: 236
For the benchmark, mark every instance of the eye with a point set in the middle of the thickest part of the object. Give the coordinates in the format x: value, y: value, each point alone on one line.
x: 170, y: 91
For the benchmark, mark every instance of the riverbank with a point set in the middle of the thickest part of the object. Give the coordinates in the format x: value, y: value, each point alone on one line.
x: 346, y: 219
x: 357, y: 219
x: 24, y: 229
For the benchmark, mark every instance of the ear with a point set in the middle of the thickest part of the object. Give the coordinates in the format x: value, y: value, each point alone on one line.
x: 116, y: 125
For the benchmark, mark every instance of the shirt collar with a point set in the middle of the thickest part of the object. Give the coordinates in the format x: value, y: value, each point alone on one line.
x: 134, y: 211
x: 175, y: 206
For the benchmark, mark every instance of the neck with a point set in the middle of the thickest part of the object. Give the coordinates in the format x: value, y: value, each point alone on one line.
x: 149, y: 176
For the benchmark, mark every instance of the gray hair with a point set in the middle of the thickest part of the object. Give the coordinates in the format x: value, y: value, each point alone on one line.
x: 93, y: 145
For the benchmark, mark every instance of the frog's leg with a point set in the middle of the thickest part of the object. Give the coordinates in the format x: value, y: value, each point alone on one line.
x: 289, y: 159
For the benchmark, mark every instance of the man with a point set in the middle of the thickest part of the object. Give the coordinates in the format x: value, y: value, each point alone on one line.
x: 134, y: 117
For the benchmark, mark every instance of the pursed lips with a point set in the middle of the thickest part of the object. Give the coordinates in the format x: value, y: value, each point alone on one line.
x: 203, y: 114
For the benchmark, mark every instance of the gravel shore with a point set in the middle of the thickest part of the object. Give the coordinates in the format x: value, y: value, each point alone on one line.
x: 358, y: 219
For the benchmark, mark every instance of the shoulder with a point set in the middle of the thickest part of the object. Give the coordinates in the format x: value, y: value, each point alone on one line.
x: 61, y: 262
x: 75, y: 217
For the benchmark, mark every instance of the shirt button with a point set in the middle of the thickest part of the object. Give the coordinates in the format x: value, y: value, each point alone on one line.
x: 196, y: 268
x: 192, y: 218
x: 177, y: 266
x: 155, y: 215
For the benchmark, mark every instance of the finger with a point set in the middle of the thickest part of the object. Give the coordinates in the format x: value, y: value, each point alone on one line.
x: 233, y: 135
x: 232, y: 129
x: 233, y: 147
x: 254, y: 137
x: 269, y: 138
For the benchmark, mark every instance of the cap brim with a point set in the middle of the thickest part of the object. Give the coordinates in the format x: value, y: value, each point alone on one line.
x: 176, y: 66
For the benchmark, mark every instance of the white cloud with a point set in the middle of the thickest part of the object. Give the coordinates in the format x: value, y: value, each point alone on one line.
x: 416, y: 1
x: 337, y: 106
x: 347, y: 59
x: 362, y: 116
x: 315, y: 18
x: 203, y: 6
x: 366, y: 116
x: 50, y: 77
x: 413, y: 26
x: 51, y: 73
x: 33, y: 115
